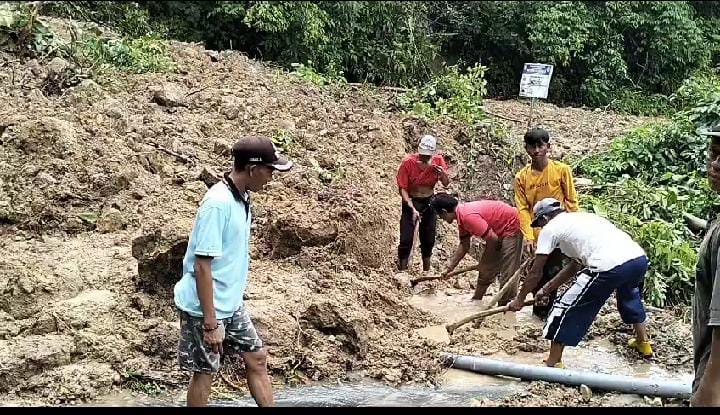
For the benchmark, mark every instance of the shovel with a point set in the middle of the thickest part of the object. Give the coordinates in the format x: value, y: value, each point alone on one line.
x: 509, y: 283
x: 482, y: 314
x: 416, y: 232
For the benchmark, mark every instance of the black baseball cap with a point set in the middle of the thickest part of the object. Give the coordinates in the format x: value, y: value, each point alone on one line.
x: 260, y: 150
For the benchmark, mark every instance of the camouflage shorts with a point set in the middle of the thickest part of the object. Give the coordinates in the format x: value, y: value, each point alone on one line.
x: 196, y: 356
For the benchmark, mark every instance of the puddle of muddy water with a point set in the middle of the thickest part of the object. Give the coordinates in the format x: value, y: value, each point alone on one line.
x: 597, y: 355
x: 365, y: 393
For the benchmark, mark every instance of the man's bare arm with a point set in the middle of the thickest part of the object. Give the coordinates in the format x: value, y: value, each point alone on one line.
x: 534, y: 277
x: 562, y: 277
x: 462, y: 249
x: 204, y: 281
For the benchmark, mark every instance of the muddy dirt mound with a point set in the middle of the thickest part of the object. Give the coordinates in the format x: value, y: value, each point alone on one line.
x: 574, y: 132
x: 100, y: 184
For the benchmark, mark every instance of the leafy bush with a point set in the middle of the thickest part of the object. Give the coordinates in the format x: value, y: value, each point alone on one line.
x: 649, y: 152
x: 630, y: 101
x: 645, y: 182
x: 311, y: 75
x: 22, y: 32
x: 128, y: 18
x: 373, y: 41
x: 605, y: 53
x: 135, y: 55
x: 454, y: 94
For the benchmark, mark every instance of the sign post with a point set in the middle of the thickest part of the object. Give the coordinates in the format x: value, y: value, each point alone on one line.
x: 535, y: 83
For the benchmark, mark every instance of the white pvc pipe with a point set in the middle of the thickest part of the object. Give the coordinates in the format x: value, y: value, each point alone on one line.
x: 626, y: 384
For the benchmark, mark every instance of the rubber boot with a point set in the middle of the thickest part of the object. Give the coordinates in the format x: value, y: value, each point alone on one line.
x: 426, y: 264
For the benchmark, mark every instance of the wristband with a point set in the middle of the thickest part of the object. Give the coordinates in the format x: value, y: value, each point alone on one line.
x: 217, y: 324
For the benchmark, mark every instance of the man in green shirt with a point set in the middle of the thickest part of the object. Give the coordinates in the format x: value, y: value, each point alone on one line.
x: 706, y: 302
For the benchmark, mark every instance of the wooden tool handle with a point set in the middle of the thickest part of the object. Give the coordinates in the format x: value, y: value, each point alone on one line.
x: 485, y: 313
x: 510, y: 282
x: 449, y: 275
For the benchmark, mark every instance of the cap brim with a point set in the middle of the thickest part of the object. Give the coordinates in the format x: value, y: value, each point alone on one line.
x: 282, y: 164
x: 426, y: 152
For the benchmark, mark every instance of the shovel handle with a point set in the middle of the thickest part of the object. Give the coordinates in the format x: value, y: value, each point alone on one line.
x: 485, y: 313
x: 449, y: 275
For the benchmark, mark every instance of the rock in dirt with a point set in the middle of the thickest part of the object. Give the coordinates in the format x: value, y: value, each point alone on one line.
x: 111, y: 220
x: 656, y: 401
x: 289, y: 234
x: 333, y: 320
x: 169, y: 95
x: 74, y: 381
x: 47, y: 135
x: 213, y: 55
x: 209, y: 176
x: 24, y: 357
x: 57, y: 66
x: 159, y: 255
x: 586, y: 393
x: 89, y: 308
x: 161, y: 340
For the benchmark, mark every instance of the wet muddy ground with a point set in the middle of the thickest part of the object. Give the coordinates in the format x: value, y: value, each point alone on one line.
x: 463, y: 388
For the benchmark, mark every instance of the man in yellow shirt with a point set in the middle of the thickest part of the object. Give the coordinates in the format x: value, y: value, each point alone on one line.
x: 538, y: 180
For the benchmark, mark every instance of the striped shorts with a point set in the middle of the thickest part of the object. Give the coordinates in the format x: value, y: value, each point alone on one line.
x: 573, y: 313
x: 196, y: 356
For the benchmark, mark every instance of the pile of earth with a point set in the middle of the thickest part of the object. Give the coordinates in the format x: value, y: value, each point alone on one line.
x: 99, y: 183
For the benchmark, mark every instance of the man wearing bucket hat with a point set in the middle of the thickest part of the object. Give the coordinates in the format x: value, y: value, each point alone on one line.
x: 604, y: 260
x: 706, y: 300
x: 209, y: 295
x: 416, y: 179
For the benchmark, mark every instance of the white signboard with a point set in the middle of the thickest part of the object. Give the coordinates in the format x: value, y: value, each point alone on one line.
x: 535, y: 80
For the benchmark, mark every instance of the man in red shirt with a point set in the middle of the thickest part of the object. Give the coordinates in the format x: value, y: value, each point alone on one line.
x: 498, y: 224
x: 416, y: 179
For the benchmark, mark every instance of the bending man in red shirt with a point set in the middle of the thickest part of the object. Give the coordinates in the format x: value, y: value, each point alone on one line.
x: 416, y: 179
x: 498, y: 224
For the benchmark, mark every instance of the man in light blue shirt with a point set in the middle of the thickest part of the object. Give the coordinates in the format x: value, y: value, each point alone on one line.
x: 215, y: 269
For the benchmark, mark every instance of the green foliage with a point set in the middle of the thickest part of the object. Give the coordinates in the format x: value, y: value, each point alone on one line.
x: 647, y: 180
x: 22, y: 32
x: 128, y: 18
x: 629, y: 101
x: 626, y: 55
x: 138, y: 55
x: 373, y: 41
x: 649, y: 152
x: 311, y: 75
x: 605, y: 53
x: 284, y: 141
x: 453, y: 94
x: 697, y: 89
x: 134, y: 55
